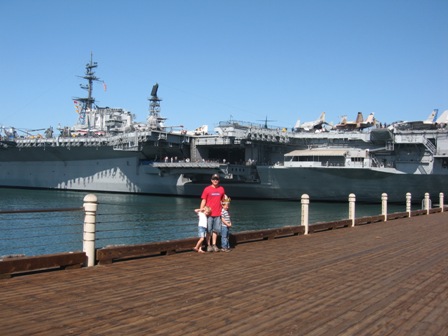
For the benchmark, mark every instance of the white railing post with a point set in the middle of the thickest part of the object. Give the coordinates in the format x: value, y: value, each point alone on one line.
x: 426, y: 203
x: 441, y: 201
x: 305, y: 212
x: 408, y: 203
x: 351, y: 208
x: 90, y: 208
x: 384, y: 206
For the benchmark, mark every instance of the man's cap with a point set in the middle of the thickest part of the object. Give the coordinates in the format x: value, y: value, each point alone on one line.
x: 215, y: 176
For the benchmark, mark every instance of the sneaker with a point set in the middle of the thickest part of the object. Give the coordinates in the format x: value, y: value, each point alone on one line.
x: 225, y: 250
x: 209, y: 248
x: 215, y: 248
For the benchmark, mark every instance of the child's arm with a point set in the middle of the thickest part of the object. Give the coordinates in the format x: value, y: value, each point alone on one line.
x: 228, y: 224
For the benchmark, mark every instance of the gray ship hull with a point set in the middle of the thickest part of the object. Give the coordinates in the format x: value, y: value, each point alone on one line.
x: 87, y: 165
x: 124, y: 175
x: 131, y: 175
x: 335, y: 183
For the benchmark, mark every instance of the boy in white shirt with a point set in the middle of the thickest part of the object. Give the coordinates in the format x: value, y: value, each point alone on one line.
x: 202, y: 227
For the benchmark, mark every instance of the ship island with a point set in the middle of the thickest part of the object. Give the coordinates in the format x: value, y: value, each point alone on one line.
x: 108, y: 151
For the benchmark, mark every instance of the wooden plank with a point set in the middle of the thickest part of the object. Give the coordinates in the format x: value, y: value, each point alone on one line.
x: 9, y: 266
x: 397, y: 215
x: 111, y: 253
x: 369, y: 220
x: 418, y: 213
x: 313, y: 228
x: 248, y: 236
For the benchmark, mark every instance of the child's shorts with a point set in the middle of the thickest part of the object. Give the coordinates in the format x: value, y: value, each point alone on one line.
x: 202, y: 232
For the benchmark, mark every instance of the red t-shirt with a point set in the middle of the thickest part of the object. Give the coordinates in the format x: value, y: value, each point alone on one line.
x: 213, y: 197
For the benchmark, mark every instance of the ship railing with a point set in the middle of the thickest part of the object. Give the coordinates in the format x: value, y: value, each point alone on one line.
x: 214, y: 140
x: 244, y: 124
x: 365, y: 137
x: 62, y: 142
x: 188, y: 164
x: 97, y: 140
x: 127, y: 147
x: 268, y: 135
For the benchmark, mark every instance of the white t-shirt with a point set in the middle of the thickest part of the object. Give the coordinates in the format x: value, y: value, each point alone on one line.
x: 202, y: 219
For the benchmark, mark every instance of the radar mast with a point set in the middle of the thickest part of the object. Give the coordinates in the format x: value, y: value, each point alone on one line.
x: 155, y: 121
x: 87, y: 103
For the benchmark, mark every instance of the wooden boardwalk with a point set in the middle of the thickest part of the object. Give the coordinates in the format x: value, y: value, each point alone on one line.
x: 386, y: 278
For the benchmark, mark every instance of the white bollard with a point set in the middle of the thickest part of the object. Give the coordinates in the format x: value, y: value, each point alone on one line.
x: 351, y: 208
x: 305, y: 212
x: 90, y: 208
x: 441, y: 201
x: 408, y: 203
x: 426, y: 203
x: 384, y: 206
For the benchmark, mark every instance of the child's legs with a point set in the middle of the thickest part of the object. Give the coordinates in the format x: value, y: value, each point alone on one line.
x: 199, y: 244
x: 225, y: 237
x: 201, y: 234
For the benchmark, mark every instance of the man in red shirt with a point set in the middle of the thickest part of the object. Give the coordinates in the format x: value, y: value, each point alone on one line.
x: 212, y: 197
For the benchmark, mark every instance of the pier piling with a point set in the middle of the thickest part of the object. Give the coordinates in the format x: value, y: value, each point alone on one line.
x: 408, y: 203
x: 427, y: 203
x: 90, y: 208
x: 351, y: 208
x: 305, y: 212
x: 384, y: 206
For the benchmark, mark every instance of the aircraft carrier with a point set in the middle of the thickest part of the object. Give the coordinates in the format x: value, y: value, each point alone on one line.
x: 106, y: 150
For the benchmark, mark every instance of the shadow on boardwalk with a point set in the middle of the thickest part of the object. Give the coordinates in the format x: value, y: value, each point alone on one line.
x: 387, y: 278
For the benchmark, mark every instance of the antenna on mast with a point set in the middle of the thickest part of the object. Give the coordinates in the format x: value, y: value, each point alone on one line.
x: 155, y: 121
x: 88, y: 102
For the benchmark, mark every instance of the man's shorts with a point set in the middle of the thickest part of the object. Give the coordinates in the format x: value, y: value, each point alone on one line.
x: 214, y: 224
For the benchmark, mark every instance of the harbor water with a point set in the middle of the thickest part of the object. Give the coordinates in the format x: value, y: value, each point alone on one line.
x: 124, y: 219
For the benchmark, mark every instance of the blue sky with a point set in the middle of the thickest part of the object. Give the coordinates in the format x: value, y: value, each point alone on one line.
x: 214, y: 60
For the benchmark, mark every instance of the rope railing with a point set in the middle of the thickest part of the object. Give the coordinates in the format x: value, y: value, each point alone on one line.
x: 39, y: 233
x: 36, y: 231
x: 39, y: 210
